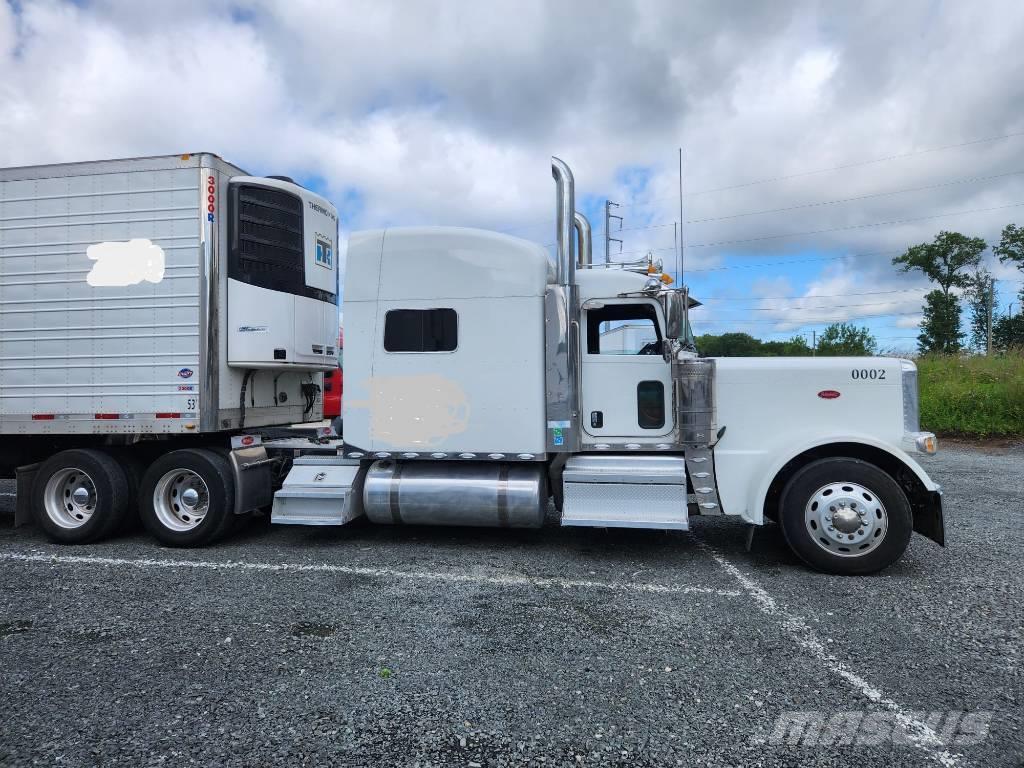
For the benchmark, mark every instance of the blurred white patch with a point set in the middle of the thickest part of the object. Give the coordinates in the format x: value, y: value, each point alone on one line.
x: 125, y: 263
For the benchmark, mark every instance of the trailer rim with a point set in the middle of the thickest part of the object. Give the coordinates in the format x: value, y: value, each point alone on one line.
x: 181, y: 500
x: 69, y: 498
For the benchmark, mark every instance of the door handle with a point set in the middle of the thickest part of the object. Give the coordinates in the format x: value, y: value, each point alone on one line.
x: 596, y: 419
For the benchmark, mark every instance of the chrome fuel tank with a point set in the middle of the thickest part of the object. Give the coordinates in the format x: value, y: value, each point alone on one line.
x: 456, y: 493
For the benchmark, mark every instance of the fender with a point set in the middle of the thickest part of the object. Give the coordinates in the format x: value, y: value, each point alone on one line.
x: 756, y: 495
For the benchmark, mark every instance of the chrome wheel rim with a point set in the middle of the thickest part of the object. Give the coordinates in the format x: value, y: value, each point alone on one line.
x: 69, y: 498
x: 181, y: 500
x: 846, y: 519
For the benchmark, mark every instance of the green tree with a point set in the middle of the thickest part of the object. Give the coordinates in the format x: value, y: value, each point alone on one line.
x: 729, y: 345
x: 947, y: 260
x: 1008, y: 332
x: 1011, y: 248
x: 842, y: 339
x: 940, y: 327
x: 979, y: 296
x: 794, y: 347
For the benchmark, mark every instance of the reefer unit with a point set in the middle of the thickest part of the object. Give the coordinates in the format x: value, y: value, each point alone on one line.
x: 170, y: 294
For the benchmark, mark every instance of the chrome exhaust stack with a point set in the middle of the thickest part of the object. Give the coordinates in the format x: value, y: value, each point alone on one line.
x: 584, y: 244
x: 565, y: 207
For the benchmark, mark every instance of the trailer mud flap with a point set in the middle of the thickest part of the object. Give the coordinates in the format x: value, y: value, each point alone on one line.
x: 928, y: 519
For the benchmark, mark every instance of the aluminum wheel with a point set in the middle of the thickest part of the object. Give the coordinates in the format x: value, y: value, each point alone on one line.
x: 846, y: 519
x: 69, y: 498
x: 181, y: 500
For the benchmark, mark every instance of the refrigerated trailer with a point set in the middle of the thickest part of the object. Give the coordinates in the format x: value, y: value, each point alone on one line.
x: 151, y: 309
x: 483, y: 387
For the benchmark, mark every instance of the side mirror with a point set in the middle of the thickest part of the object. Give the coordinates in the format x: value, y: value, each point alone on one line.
x: 675, y: 315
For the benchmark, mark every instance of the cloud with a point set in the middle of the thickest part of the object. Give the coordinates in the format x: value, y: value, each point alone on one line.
x: 447, y: 113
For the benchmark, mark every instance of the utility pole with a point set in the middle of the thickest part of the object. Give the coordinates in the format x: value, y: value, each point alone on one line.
x: 814, y: 343
x: 682, y: 259
x: 608, y: 239
x: 991, y: 305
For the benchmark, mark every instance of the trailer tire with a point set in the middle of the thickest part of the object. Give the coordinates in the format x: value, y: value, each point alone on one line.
x: 80, y: 496
x: 845, y: 516
x: 134, y: 469
x: 187, y: 498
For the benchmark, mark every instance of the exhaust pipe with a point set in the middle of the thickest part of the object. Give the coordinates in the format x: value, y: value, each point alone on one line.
x: 564, y: 210
x: 584, y: 246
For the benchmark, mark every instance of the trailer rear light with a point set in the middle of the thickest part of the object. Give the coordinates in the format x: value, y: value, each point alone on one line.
x: 168, y: 415
x: 106, y: 416
x: 43, y: 416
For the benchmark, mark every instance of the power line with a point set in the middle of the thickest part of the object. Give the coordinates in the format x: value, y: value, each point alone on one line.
x: 836, y: 201
x: 835, y: 229
x: 812, y: 309
x: 790, y: 261
x: 816, y: 296
x: 838, y: 167
x: 736, y: 321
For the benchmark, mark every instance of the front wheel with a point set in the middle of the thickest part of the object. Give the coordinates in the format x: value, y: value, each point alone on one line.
x: 845, y: 516
x: 187, y: 498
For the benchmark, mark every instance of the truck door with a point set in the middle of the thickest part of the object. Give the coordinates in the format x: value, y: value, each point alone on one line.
x: 626, y: 383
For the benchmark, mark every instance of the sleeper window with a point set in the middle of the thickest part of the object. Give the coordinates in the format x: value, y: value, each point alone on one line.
x: 421, y: 330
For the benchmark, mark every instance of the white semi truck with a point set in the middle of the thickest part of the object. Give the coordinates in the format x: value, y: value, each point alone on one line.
x: 478, y: 388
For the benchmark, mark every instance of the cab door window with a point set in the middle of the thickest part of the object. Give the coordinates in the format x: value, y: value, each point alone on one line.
x: 623, y: 329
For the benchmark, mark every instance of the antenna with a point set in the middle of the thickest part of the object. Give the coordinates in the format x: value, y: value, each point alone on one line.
x: 682, y: 259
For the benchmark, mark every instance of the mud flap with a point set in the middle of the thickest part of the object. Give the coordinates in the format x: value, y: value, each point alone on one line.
x: 23, y: 512
x: 928, y: 519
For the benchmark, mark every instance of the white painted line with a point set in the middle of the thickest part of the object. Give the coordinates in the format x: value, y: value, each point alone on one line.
x: 451, y: 577
x: 919, y: 734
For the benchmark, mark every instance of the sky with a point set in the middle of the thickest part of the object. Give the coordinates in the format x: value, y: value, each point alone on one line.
x: 819, y: 139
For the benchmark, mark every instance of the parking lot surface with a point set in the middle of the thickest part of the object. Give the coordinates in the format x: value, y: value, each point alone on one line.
x: 415, y: 647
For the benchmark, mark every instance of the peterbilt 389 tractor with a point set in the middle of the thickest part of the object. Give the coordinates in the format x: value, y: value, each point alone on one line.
x: 484, y: 385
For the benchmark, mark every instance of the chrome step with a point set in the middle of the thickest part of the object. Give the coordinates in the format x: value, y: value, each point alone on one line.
x: 319, y: 490
x: 625, y: 491
x: 700, y: 466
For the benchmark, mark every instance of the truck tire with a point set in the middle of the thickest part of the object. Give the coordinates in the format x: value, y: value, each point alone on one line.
x: 134, y: 468
x: 187, y: 498
x: 80, y: 496
x: 845, y: 516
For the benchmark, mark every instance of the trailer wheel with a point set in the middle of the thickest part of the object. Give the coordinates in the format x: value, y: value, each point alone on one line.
x: 845, y: 516
x: 80, y: 496
x: 188, y: 498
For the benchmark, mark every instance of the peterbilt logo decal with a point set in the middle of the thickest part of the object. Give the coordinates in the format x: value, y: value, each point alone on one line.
x: 185, y: 373
x: 828, y: 394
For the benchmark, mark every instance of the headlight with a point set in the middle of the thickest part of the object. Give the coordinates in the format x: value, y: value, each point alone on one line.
x: 911, y: 407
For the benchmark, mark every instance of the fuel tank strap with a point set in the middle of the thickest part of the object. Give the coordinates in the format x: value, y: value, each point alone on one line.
x: 393, y: 501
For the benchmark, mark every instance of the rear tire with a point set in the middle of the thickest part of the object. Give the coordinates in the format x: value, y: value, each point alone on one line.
x: 80, y: 496
x: 845, y: 516
x: 134, y: 469
x: 187, y: 498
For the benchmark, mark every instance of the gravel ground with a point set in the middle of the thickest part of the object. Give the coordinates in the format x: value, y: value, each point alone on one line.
x: 404, y: 647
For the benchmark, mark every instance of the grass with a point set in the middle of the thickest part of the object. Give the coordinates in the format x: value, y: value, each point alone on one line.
x: 972, y: 396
